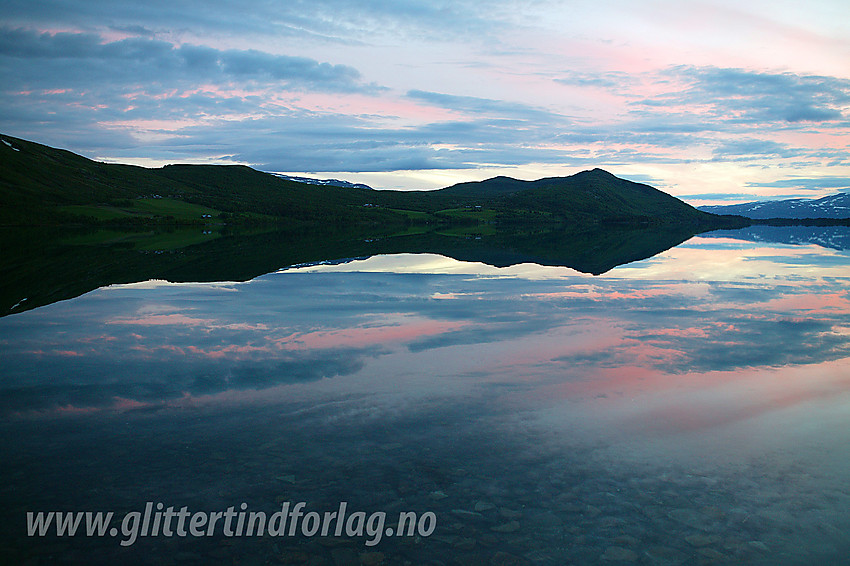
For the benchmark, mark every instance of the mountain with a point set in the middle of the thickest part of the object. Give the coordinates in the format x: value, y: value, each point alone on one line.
x: 587, y: 196
x: 326, y: 182
x: 833, y: 206
x: 40, y: 185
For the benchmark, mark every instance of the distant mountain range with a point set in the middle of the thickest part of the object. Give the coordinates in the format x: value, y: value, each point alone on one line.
x: 833, y: 206
x: 330, y: 182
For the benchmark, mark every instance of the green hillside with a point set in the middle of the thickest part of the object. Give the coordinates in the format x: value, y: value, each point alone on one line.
x: 43, y: 186
x: 585, y: 197
x: 40, y: 185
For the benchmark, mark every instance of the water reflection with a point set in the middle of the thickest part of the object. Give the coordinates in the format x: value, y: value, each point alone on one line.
x: 48, y: 265
x: 835, y: 237
x: 688, y: 407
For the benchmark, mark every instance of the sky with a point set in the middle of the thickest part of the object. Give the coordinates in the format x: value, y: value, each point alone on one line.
x: 713, y: 101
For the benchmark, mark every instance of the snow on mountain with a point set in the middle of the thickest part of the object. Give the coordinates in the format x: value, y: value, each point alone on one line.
x: 833, y: 206
x: 330, y: 182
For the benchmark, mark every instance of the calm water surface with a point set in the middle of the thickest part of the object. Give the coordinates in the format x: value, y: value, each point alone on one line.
x: 692, y: 408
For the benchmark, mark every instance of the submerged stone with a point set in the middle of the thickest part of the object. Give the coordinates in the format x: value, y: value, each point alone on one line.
x: 699, y: 540
x: 619, y: 554
x: 372, y: 558
x: 484, y: 506
x: 509, y: 527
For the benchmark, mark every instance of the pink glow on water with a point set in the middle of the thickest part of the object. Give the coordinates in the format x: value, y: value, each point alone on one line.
x: 176, y: 319
x: 603, y: 293
x: 367, y: 336
x: 811, y: 304
x: 123, y: 404
x: 272, y: 342
x: 179, y: 319
x: 703, y: 401
x: 232, y: 351
x: 68, y: 353
x: 70, y: 410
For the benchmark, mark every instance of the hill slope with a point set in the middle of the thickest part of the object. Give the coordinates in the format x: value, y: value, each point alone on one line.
x: 585, y: 196
x: 40, y: 185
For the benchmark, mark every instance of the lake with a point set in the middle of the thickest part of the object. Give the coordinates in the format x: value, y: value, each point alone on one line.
x: 692, y: 407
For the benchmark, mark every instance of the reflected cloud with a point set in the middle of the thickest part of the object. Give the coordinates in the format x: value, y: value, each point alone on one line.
x: 149, y: 346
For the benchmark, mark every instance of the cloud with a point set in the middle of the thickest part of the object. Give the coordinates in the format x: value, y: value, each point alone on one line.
x: 720, y: 196
x: 82, y: 59
x: 484, y: 106
x: 330, y: 21
x: 386, y: 86
x: 745, y: 96
x: 807, y: 183
x: 613, y: 81
x: 134, y: 29
x: 746, y: 148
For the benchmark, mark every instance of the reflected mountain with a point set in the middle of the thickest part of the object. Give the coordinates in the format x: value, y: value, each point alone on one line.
x: 834, y: 237
x: 42, y: 266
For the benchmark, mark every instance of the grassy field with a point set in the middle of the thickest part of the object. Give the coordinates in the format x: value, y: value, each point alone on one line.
x: 98, y: 212
x: 466, y: 213
x: 412, y: 214
x: 175, y: 208
x: 145, y: 208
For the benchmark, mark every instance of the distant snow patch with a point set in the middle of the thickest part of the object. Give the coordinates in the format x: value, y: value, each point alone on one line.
x: 10, y: 145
